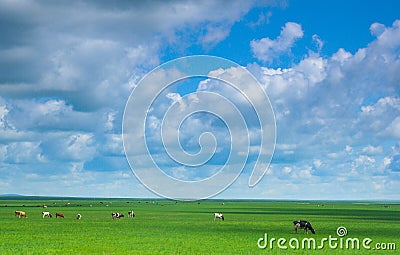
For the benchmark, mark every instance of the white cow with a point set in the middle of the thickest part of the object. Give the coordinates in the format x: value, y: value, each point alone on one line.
x: 219, y: 216
x: 46, y: 214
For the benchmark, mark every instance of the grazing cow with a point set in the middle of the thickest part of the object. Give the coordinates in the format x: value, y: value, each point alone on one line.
x: 219, y: 216
x: 46, y: 214
x: 58, y: 214
x: 116, y: 215
x: 79, y: 216
x: 131, y: 214
x: 21, y: 214
x: 303, y: 224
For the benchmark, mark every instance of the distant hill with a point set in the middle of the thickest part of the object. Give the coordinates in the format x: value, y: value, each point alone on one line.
x: 10, y: 195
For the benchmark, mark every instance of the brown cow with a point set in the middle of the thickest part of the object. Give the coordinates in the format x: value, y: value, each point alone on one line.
x: 58, y: 214
x: 21, y: 214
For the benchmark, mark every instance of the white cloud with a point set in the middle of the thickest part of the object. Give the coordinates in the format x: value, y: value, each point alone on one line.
x: 267, y: 49
x: 3, y: 112
x: 68, y: 69
x: 79, y: 146
x: 340, y: 113
x: 394, y: 128
x: 314, y: 67
x: 24, y: 152
x: 377, y: 29
x: 287, y: 170
x: 387, y: 161
x: 317, y: 163
x: 286, y: 146
x: 85, y: 50
x: 214, y: 35
x: 377, y: 186
x: 381, y: 117
x: 305, y: 174
x: 365, y: 160
x: 318, y: 42
x: 372, y: 150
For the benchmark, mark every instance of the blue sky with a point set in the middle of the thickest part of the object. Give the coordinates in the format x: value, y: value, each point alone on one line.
x: 329, y: 68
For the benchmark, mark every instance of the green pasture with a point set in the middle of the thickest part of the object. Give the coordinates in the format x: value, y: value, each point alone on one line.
x: 169, y: 227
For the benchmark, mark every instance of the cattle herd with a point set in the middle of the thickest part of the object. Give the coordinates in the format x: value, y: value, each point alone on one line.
x: 114, y: 215
x: 298, y: 224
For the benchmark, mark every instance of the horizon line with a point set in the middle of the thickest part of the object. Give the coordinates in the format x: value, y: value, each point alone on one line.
x: 19, y: 196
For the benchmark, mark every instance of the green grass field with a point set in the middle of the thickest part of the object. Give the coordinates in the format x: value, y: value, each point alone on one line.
x: 169, y: 227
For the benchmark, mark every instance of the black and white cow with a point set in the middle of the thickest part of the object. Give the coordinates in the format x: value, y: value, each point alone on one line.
x: 46, y: 214
x: 303, y: 224
x: 116, y: 215
x: 79, y: 216
x: 131, y: 214
x: 218, y: 216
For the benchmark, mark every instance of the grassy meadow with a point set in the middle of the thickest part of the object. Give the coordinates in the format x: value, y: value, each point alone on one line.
x: 169, y: 227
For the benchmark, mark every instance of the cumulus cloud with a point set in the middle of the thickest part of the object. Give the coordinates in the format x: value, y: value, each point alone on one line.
x: 377, y: 29
x: 24, y: 152
x: 76, y: 55
x: 342, y: 111
x: 67, y: 70
x: 336, y: 117
x: 267, y: 49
